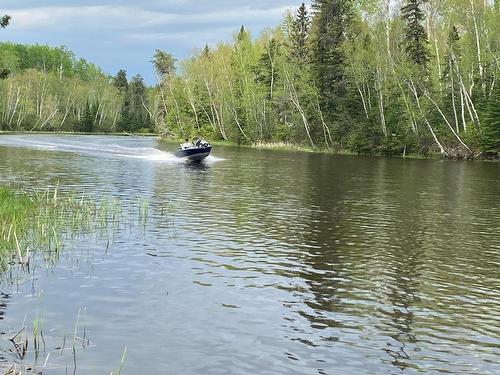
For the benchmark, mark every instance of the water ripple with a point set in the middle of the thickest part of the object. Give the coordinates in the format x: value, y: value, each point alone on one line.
x: 274, y: 262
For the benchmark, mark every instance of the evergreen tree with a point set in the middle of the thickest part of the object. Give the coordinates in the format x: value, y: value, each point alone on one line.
x: 241, y: 85
x: 453, y: 38
x: 328, y: 34
x: 416, y: 42
x: 86, y: 123
x: 266, y: 73
x: 133, y: 114
x: 138, y: 115
x: 125, y: 122
x: 163, y: 63
x: 120, y: 81
x: 299, y: 33
x: 243, y: 34
x: 452, y: 51
x: 206, y: 51
x: 491, y: 123
x: 4, y: 21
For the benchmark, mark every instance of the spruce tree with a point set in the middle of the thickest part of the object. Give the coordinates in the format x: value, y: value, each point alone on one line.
x: 416, y: 42
x: 491, y: 123
x: 120, y: 81
x: 299, y: 33
x: 125, y: 122
x: 137, y: 97
x: 243, y: 34
x: 86, y: 123
x: 329, y: 29
x: 206, y: 51
x: 452, y: 51
x: 265, y: 71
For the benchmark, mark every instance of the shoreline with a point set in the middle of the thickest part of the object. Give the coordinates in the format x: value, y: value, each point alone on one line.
x: 279, y: 146
x: 270, y: 146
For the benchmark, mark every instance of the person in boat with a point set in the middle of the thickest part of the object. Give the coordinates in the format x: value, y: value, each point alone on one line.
x: 186, y: 144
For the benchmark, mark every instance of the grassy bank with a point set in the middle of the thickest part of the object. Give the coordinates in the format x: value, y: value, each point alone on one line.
x: 285, y: 146
x: 334, y: 151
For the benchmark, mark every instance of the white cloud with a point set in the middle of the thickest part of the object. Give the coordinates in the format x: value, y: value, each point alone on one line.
x: 128, y: 17
x: 124, y: 33
x: 214, y: 34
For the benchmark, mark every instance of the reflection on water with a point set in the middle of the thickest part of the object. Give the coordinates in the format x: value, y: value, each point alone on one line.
x: 270, y: 262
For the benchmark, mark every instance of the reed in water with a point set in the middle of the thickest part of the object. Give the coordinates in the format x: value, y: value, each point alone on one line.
x: 39, y: 221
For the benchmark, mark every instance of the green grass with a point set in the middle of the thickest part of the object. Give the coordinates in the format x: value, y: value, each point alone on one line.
x: 15, y: 211
x: 40, y: 221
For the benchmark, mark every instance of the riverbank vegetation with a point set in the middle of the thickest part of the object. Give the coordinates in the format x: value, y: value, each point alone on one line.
x: 39, y: 225
x: 372, y: 77
x: 49, y: 89
x: 379, y: 76
x: 40, y: 221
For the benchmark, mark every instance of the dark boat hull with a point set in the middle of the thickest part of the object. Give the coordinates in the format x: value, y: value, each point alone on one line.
x: 194, y: 154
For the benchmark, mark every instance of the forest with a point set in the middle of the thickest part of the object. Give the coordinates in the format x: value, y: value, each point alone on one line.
x: 48, y: 89
x: 383, y: 77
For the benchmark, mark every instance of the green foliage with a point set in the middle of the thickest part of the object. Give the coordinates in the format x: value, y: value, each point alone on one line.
x: 49, y: 89
x: 163, y: 63
x: 120, y: 81
x: 491, y: 124
x: 39, y: 220
x: 13, y: 210
x: 365, y: 139
x: 415, y: 35
x: 299, y: 34
x: 330, y: 23
x: 57, y: 60
x: 37, y: 100
x: 347, y: 75
x: 265, y: 70
x: 134, y: 116
x: 86, y: 123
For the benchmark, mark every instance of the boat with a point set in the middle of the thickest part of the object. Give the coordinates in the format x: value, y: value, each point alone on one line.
x: 196, y: 151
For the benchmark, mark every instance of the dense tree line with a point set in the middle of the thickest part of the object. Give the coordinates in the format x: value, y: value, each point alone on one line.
x: 48, y: 89
x: 418, y: 76
x: 44, y: 88
x: 378, y: 76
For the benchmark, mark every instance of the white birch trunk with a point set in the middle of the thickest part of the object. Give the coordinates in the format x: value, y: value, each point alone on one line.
x: 413, y: 89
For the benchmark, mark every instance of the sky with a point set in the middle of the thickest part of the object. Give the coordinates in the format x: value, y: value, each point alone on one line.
x: 124, y: 34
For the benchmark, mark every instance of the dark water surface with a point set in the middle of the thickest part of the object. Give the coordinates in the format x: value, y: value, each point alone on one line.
x: 266, y: 262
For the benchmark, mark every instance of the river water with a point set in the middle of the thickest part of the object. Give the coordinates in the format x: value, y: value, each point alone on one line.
x: 264, y: 262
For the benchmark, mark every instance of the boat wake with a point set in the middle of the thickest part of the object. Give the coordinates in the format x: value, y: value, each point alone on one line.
x: 118, y: 147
